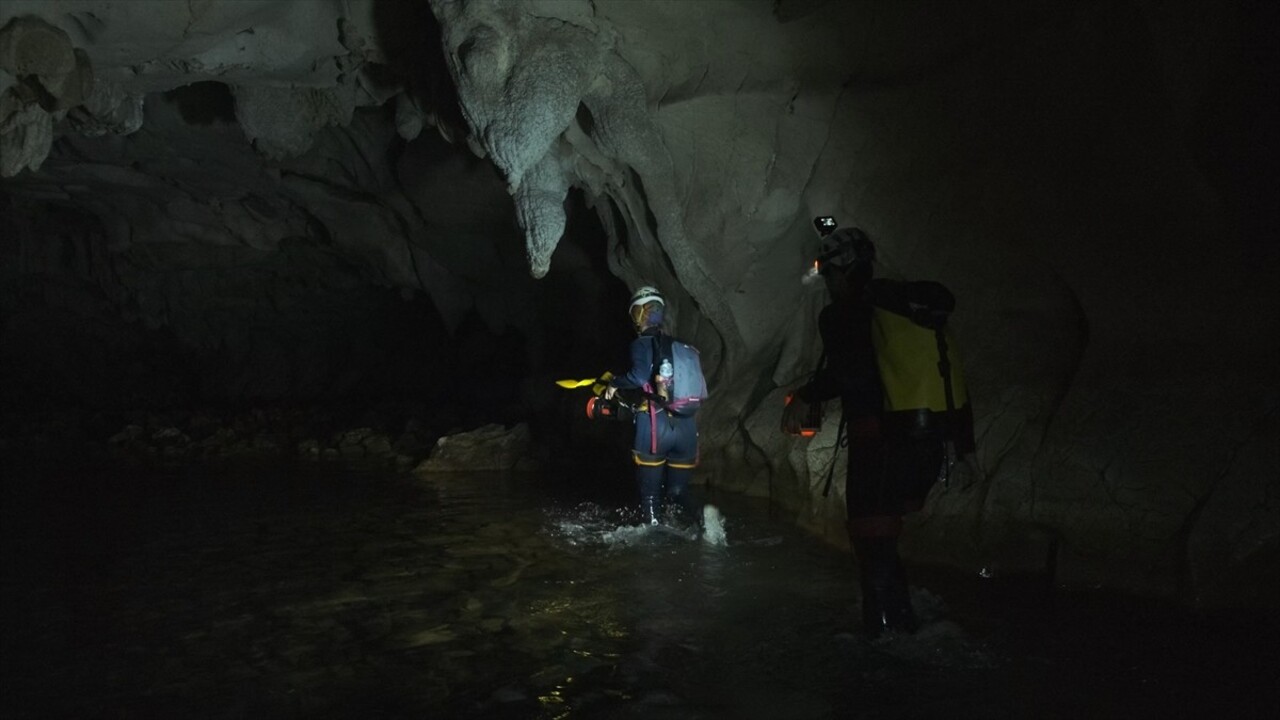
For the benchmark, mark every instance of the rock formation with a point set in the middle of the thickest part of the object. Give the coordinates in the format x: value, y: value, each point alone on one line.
x: 263, y: 199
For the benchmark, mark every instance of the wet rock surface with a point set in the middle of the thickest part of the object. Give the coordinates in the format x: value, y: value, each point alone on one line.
x: 396, y: 436
x: 489, y: 448
x: 345, y: 594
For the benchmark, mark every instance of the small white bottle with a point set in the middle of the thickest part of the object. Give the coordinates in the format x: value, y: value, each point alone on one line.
x: 665, y: 372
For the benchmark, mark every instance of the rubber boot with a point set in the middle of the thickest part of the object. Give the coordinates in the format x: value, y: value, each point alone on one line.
x: 886, y: 598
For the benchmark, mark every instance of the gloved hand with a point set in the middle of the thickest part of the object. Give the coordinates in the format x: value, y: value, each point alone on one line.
x: 963, y: 473
x: 794, y: 415
x: 609, y: 392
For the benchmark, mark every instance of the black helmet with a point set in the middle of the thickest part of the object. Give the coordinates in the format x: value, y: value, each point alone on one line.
x: 845, y: 249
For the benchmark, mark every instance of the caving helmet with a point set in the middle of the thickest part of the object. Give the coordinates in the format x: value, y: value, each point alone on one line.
x: 848, y: 251
x: 647, y: 308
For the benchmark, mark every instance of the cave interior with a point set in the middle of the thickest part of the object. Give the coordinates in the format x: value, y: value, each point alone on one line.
x: 319, y: 233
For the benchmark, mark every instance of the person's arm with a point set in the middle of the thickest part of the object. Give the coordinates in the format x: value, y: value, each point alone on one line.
x: 825, y: 385
x: 641, y: 367
x: 850, y: 372
x: 827, y: 382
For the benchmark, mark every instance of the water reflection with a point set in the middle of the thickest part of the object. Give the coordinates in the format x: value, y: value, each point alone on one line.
x: 273, y: 594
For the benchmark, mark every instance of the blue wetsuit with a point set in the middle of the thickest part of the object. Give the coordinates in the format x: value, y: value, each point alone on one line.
x: 666, y: 442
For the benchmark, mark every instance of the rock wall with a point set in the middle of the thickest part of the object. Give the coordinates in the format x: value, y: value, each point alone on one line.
x: 1084, y: 178
x: 274, y: 226
x: 1057, y: 167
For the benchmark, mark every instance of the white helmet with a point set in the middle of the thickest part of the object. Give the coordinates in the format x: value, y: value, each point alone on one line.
x: 647, y: 308
x: 646, y: 295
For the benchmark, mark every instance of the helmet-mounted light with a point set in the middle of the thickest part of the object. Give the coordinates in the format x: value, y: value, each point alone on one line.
x: 825, y: 225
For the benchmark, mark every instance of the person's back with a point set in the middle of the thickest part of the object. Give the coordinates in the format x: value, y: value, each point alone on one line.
x: 665, y: 449
x: 888, y: 474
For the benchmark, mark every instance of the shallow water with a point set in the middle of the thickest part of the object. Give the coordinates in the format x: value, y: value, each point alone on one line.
x: 335, y: 593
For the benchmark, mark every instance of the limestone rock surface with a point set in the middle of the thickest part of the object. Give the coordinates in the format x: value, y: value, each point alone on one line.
x: 957, y: 145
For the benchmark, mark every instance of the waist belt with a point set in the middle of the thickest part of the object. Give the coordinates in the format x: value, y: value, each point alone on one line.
x: 919, y: 423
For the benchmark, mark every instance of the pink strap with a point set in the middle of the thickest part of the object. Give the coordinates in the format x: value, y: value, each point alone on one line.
x: 653, y: 422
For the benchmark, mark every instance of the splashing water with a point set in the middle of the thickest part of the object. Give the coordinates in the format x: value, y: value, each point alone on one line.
x: 713, y: 526
x: 589, y: 524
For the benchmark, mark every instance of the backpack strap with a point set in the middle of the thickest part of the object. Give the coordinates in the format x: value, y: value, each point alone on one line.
x: 949, y: 422
x: 841, y: 441
x: 662, y: 349
x: 944, y: 369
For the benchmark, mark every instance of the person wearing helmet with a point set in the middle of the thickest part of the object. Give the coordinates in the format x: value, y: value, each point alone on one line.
x: 666, y: 434
x: 881, y: 481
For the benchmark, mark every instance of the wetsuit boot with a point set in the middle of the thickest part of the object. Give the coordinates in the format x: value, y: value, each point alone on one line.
x: 678, y: 494
x: 886, y: 598
x: 649, y: 482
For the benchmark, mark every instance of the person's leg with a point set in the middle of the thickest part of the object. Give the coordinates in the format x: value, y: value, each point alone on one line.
x: 874, y: 509
x: 917, y: 464
x: 886, y: 597
x: 681, y: 444
x: 909, y: 470
x: 649, y: 471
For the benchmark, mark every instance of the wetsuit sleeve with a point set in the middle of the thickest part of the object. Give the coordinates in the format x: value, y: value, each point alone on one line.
x: 827, y: 383
x: 850, y: 372
x: 641, y: 365
x: 824, y: 386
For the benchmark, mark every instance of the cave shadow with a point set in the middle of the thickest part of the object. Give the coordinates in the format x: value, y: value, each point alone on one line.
x: 204, y: 103
x: 584, y: 307
x: 409, y: 36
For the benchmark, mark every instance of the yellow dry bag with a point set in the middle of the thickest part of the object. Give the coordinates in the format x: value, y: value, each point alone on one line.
x: 924, y: 388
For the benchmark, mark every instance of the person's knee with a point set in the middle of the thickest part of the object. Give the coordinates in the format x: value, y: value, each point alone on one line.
x: 685, y: 465
x: 680, y: 472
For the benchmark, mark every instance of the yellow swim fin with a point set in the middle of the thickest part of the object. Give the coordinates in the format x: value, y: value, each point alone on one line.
x: 571, y: 384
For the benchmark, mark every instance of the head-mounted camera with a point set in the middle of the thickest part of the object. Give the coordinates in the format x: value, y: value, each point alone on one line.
x: 824, y: 224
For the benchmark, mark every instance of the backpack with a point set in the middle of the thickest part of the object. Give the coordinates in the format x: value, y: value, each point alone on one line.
x: 688, y: 385
x: 920, y: 369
